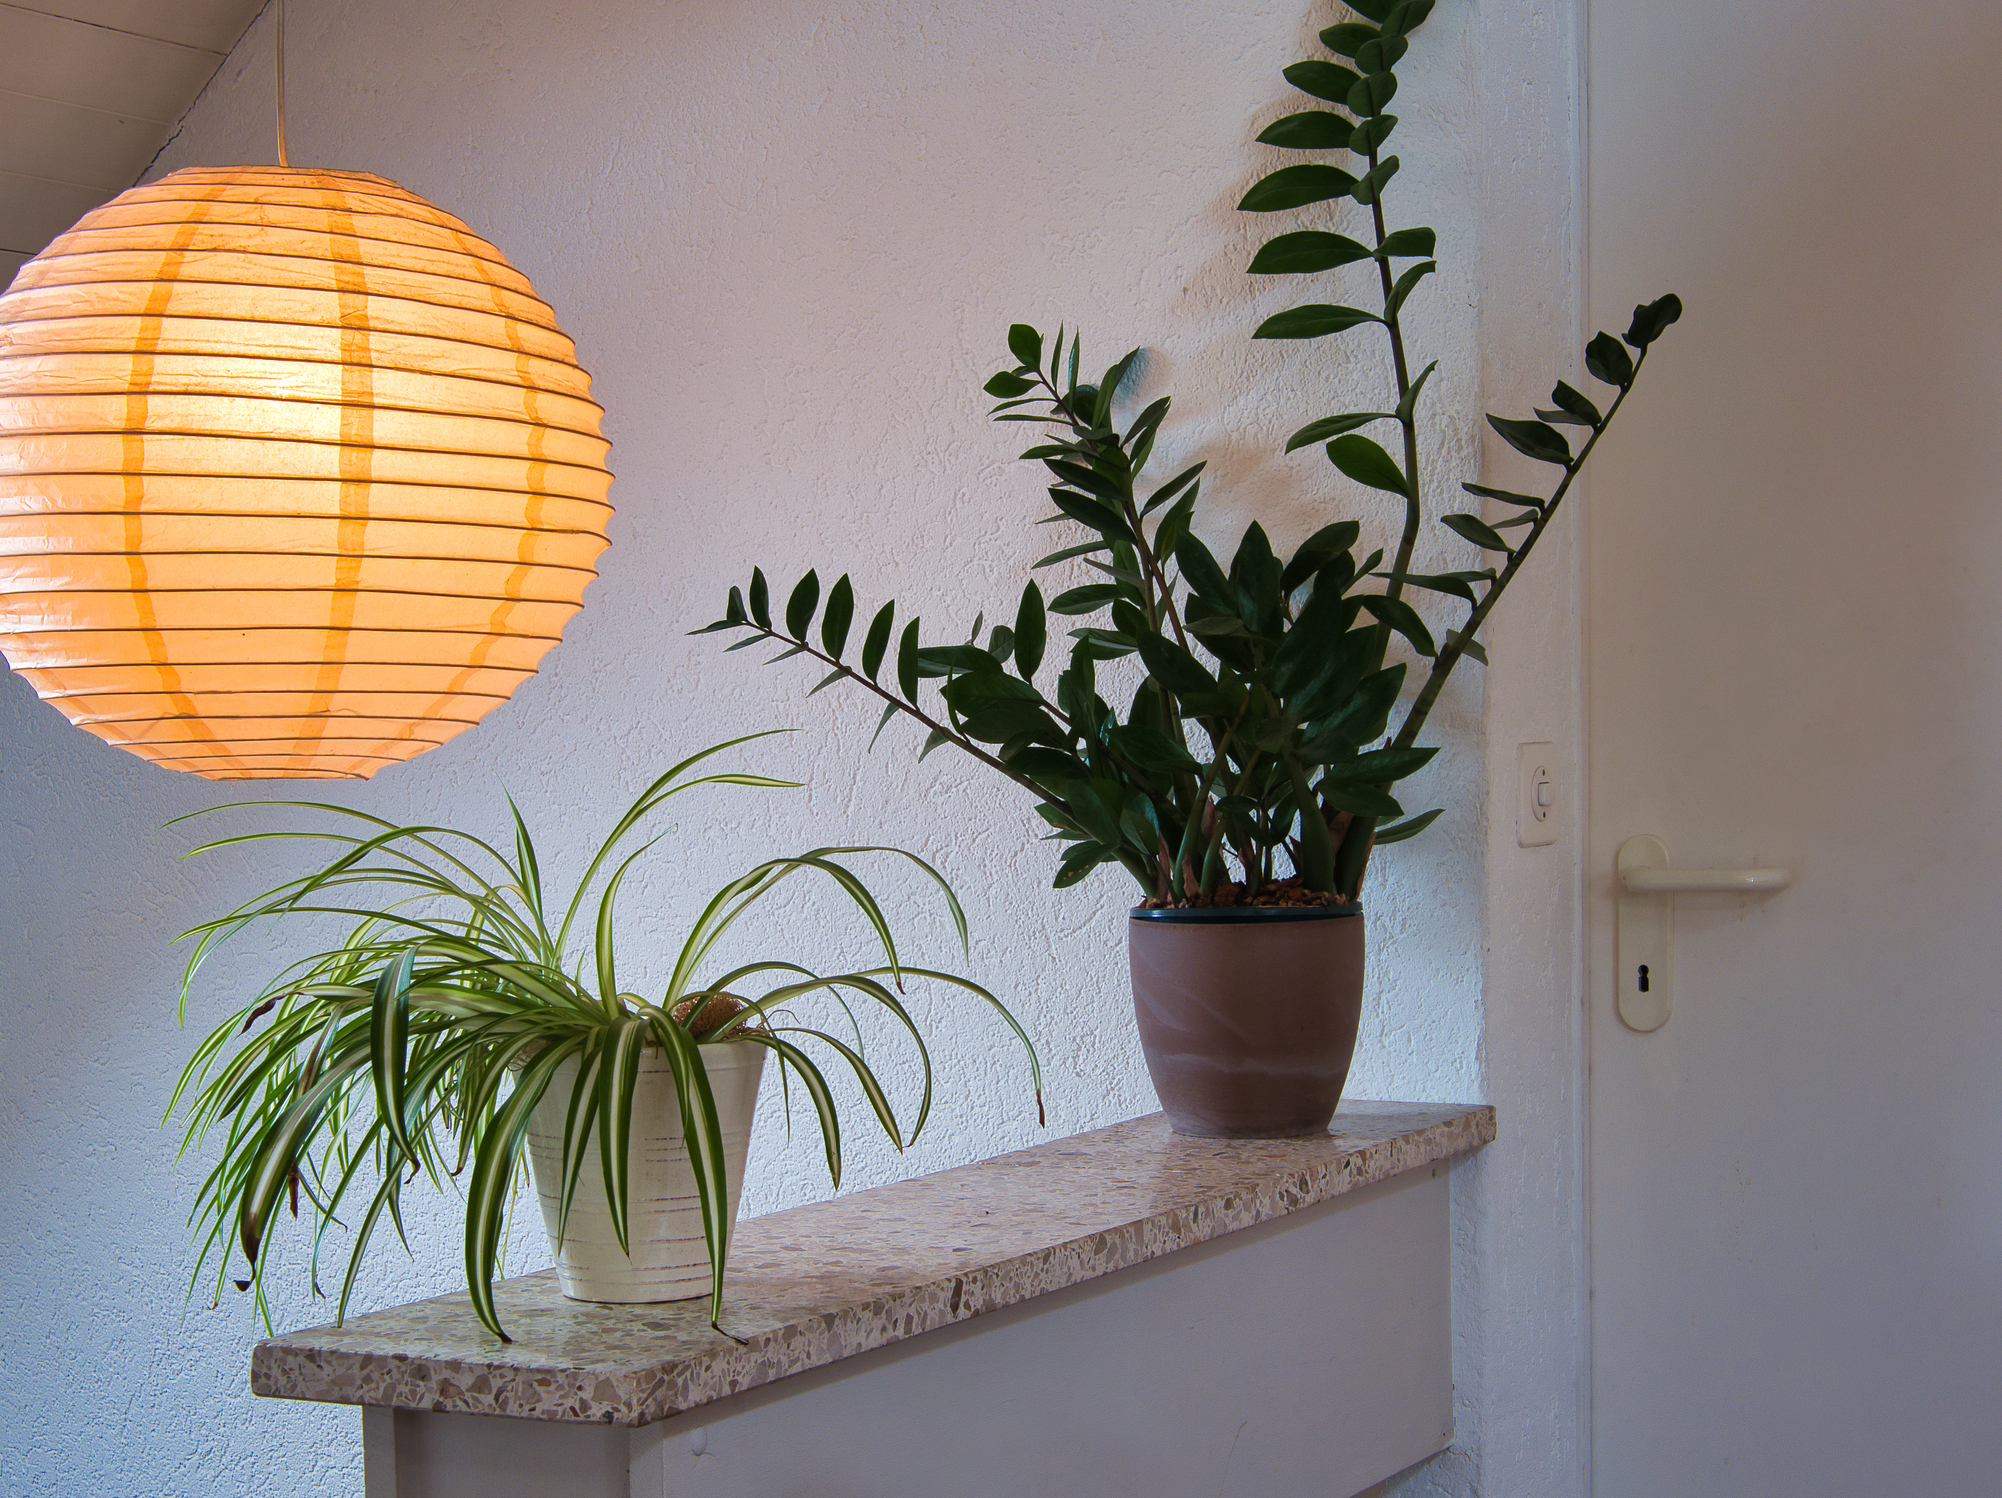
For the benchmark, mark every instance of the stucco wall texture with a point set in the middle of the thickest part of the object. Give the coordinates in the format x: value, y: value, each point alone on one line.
x: 788, y: 241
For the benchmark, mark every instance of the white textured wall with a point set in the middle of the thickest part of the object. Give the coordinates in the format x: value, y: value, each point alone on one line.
x: 788, y: 245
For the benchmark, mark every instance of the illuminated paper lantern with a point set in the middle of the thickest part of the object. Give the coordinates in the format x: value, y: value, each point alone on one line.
x: 298, y: 477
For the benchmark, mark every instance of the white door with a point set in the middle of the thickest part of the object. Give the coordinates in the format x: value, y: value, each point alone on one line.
x: 1794, y: 630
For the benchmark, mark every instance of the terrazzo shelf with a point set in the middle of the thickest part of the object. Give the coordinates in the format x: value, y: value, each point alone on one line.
x: 1004, y: 1317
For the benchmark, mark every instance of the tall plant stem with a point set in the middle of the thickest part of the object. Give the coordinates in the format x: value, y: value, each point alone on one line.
x: 1449, y: 656
x: 1413, y: 510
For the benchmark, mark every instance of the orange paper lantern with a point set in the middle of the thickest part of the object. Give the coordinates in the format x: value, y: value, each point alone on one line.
x: 298, y: 476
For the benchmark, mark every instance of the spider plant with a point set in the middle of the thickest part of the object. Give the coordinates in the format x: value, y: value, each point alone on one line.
x: 423, y: 1040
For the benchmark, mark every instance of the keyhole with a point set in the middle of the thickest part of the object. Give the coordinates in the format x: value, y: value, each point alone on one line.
x: 1643, y: 977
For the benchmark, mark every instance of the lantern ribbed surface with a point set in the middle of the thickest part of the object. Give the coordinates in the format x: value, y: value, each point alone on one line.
x: 298, y: 476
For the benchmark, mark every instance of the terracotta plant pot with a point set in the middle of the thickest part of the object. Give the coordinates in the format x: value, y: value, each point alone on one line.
x: 670, y: 1259
x: 1248, y: 1016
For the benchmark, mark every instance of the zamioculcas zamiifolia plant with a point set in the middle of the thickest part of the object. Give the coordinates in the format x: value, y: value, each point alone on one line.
x: 1260, y: 738
x: 422, y: 1041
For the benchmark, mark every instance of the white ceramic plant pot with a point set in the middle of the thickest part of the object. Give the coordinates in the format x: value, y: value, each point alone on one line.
x: 669, y: 1260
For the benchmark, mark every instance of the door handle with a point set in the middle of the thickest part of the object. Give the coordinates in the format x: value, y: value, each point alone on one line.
x: 1644, y: 934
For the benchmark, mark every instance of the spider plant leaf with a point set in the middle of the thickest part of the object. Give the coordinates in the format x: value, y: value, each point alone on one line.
x: 579, y: 1117
x: 702, y: 1133
x: 389, y: 1031
x: 493, y: 1171
x: 278, y: 1151
x: 872, y: 1087
x: 618, y: 1075
x: 792, y: 1057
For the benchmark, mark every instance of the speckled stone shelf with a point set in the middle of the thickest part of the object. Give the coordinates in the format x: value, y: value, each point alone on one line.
x: 810, y: 1286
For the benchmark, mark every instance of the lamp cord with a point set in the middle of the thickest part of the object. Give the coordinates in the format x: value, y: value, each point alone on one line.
x: 281, y: 85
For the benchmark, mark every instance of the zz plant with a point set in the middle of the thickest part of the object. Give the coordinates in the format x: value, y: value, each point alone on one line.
x: 1262, y: 725
x: 425, y: 1038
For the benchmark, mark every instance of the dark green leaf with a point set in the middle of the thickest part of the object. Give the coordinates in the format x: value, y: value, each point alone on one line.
x: 1095, y: 513
x: 889, y: 712
x: 1363, y: 800
x: 1085, y: 600
x: 1026, y: 344
x: 1324, y: 80
x: 907, y: 662
x: 1172, y: 488
x: 1399, y: 832
x: 1309, y: 130
x: 827, y: 681
x: 1333, y: 426
x: 1101, y: 644
x: 799, y: 608
x: 1174, y: 525
x: 1467, y: 646
x: 1368, y: 96
x: 1476, y: 530
x: 1313, y: 321
x: 1534, y: 439
x: 943, y: 660
x: 1308, y: 250
x: 1408, y: 283
x: 1006, y: 386
x: 1295, y: 187
x: 1409, y: 242
x: 761, y: 608
x: 733, y: 609
x: 1561, y: 418
x: 1608, y: 361
x: 1403, y: 618
x: 1009, y: 720
x: 1031, y: 631
x: 1080, y: 861
x: 1567, y: 399
x: 1366, y: 462
x: 1504, y: 496
x: 1172, y: 666
x: 839, y: 614
x: 1317, y: 551
x: 1310, y: 645
x: 877, y: 640
x: 1381, y: 55
x: 1202, y: 573
x: 1409, y: 404
x: 938, y: 738
x: 1151, y: 749
x: 1443, y: 582
x: 1371, y: 134
x: 1382, y: 766
x: 1001, y: 643
x: 1044, y: 765
x: 1651, y: 319
x: 1085, y: 548
x: 1348, y: 38
x: 1406, y: 17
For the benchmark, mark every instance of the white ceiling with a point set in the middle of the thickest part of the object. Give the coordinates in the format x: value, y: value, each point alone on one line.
x: 89, y: 92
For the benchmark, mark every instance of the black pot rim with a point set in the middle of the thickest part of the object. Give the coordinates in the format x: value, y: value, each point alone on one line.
x: 1247, y: 915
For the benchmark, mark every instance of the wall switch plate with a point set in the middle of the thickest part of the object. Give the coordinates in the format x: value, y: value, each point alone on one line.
x: 1536, y: 802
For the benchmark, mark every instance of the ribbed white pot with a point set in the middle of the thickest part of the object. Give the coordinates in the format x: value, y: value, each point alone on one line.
x: 670, y: 1260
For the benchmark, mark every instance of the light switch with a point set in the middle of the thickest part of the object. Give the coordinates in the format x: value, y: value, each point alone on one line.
x: 1537, y: 802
